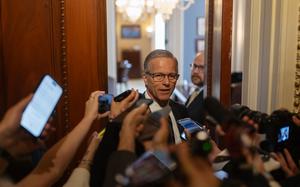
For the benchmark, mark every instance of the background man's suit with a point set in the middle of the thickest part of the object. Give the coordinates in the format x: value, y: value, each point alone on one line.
x: 195, y: 108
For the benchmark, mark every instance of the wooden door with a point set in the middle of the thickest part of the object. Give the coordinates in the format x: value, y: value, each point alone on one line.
x: 134, y: 58
x: 65, y: 38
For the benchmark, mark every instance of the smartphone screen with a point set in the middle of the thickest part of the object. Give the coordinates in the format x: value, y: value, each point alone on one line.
x: 41, y: 106
x: 151, y: 167
x: 283, y: 134
x: 190, y: 125
x: 104, y: 103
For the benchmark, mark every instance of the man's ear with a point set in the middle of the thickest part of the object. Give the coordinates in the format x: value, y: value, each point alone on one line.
x: 145, y: 79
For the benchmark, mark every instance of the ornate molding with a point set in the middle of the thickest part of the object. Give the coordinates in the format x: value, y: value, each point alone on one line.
x: 64, y: 67
x: 297, y: 74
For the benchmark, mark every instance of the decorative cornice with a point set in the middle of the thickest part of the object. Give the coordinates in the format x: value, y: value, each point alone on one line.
x: 64, y: 67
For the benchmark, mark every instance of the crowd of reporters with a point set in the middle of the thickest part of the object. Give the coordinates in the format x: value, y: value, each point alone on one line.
x: 150, y: 140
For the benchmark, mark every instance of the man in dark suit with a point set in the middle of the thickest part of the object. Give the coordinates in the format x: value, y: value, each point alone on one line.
x: 160, y: 77
x: 194, y: 103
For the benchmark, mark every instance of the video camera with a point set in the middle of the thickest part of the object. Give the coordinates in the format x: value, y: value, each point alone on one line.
x: 279, y: 128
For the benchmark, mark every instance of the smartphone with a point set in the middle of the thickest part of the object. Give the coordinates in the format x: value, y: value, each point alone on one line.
x: 138, y: 103
x: 104, y: 103
x: 151, y: 167
x: 191, y: 125
x: 41, y: 106
x: 122, y: 96
x: 152, y: 123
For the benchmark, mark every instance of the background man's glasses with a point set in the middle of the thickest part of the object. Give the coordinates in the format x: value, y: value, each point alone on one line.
x: 158, y: 77
x: 199, y: 67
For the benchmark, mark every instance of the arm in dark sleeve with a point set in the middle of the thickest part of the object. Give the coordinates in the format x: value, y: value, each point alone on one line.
x: 108, y: 145
x: 118, y: 162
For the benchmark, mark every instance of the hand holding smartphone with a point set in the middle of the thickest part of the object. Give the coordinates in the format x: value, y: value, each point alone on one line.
x: 152, y: 123
x: 41, y: 106
x: 151, y: 167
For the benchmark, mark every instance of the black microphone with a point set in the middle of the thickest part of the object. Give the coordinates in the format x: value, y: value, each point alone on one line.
x: 217, y: 114
x: 215, y: 109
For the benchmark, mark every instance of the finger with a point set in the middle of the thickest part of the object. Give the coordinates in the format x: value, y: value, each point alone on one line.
x: 130, y: 96
x: 103, y: 115
x: 189, y: 136
x: 245, y: 118
x: 290, y: 160
x: 140, y: 110
x: 274, y: 155
x: 296, y: 120
x: 282, y: 160
x: 96, y: 94
x: 20, y: 106
x: 134, y: 95
x: 161, y: 136
x: 185, y: 159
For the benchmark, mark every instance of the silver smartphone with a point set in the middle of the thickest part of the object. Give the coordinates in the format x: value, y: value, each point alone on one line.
x: 41, y: 106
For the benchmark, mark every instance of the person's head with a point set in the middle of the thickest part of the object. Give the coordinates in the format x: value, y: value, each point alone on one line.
x: 160, y: 75
x: 198, y: 70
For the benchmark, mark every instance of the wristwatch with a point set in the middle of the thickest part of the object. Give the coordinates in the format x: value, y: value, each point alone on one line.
x: 5, y: 155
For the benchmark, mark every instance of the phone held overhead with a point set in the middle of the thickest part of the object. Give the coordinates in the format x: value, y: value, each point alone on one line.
x: 41, y: 106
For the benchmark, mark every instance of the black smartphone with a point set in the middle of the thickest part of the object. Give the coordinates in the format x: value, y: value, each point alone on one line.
x: 152, y: 123
x: 138, y: 103
x: 104, y: 103
x: 151, y: 167
x: 41, y: 106
x: 122, y: 96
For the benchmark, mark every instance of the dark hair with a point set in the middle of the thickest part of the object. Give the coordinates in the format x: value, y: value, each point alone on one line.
x: 156, y: 54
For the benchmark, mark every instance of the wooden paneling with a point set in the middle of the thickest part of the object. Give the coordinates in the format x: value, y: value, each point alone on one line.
x: 221, y: 68
x: 65, y: 38
x: 84, y: 69
x: 26, y: 45
x: 209, y: 50
x: 225, y: 95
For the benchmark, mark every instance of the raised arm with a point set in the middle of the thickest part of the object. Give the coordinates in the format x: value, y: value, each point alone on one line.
x: 57, y: 158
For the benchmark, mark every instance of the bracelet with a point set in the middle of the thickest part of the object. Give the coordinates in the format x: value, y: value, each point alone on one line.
x: 87, y: 162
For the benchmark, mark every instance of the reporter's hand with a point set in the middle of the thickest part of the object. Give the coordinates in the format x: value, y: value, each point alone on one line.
x: 92, y: 105
x: 14, y: 139
x: 287, y: 163
x: 296, y: 120
x: 160, y: 138
x: 10, y: 123
x: 197, y: 171
x: 118, y: 107
x: 131, y: 127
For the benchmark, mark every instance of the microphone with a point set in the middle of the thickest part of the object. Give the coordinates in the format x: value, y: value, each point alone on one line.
x: 217, y: 114
x: 215, y: 109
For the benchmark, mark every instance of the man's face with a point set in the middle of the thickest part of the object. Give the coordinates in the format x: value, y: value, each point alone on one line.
x: 198, y: 70
x: 160, y: 68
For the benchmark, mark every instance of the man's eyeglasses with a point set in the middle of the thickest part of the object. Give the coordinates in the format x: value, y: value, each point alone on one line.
x: 199, y: 67
x: 158, y: 77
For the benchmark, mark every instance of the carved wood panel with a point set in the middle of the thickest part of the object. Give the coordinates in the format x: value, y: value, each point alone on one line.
x: 65, y: 38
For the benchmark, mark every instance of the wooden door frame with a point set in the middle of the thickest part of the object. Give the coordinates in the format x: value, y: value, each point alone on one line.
x: 218, y: 53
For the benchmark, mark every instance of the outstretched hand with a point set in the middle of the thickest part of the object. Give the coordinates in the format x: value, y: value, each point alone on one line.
x: 14, y: 139
x: 118, y: 107
x: 92, y: 104
x: 131, y: 127
x: 286, y: 162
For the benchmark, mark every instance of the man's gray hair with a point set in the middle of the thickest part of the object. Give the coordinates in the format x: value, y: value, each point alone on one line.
x: 156, y: 54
